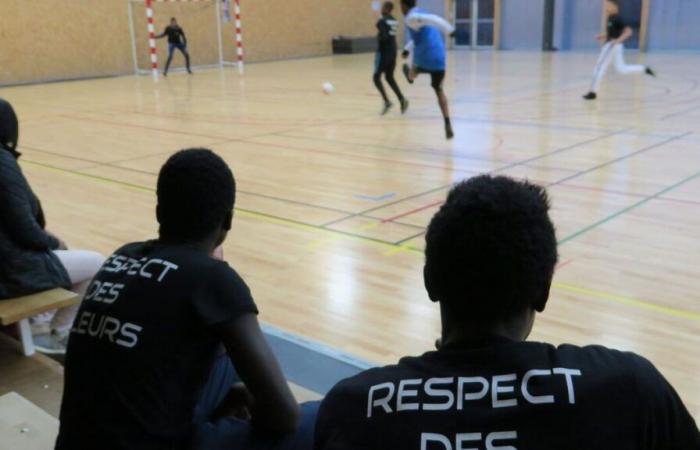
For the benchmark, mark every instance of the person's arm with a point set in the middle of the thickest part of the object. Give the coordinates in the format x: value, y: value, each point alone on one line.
x: 417, y: 20
x: 163, y: 34
x: 273, y: 405
x: 626, y: 34
x: 408, y: 48
x: 18, y: 219
x: 184, y: 38
x: 667, y: 423
x: 384, y: 30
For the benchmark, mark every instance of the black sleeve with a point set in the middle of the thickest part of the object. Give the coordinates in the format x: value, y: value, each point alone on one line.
x: 668, y: 425
x: 224, y: 296
x: 328, y: 426
x: 384, y: 30
x: 16, y: 211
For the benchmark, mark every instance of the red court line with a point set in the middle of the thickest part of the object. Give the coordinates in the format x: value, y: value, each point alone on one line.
x: 563, y: 264
x: 413, y: 211
x: 143, y: 127
x: 358, y: 156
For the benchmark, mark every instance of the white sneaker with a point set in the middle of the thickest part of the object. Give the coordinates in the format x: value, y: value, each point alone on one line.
x: 51, y: 343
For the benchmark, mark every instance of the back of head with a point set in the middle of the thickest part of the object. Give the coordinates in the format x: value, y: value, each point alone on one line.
x: 491, y: 249
x: 9, y: 127
x: 408, y: 4
x: 387, y: 7
x: 196, y: 194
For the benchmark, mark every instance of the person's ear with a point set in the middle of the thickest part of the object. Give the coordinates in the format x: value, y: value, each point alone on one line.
x: 158, y: 217
x: 227, y: 220
x: 429, y: 282
x: 541, y: 302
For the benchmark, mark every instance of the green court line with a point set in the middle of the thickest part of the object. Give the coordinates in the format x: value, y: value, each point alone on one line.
x: 394, y: 248
x: 627, y: 209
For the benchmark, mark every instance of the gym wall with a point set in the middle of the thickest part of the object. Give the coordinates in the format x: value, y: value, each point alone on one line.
x: 43, y: 40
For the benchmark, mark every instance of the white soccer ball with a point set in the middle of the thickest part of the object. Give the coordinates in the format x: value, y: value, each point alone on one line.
x: 327, y: 88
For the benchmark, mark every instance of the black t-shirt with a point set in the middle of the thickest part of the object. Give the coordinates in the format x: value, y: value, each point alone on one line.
x: 386, y: 37
x: 175, y: 34
x: 524, y: 396
x: 616, y: 26
x: 142, y: 347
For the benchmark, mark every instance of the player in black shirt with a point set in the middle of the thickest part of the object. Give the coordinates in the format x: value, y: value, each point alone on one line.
x: 613, y: 50
x: 385, y: 59
x: 149, y: 356
x: 176, y: 40
x: 489, y: 259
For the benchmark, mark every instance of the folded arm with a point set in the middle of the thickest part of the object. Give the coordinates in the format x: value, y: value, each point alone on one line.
x: 417, y: 20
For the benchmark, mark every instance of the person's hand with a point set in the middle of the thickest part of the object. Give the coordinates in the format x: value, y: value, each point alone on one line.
x: 238, y: 403
x: 453, y: 34
x: 61, y: 243
x: 600, y: 37
x: 405, y: 53
x: 218, y: 253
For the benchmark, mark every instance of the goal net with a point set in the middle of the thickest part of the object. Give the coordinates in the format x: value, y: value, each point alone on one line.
x: 201, y: 21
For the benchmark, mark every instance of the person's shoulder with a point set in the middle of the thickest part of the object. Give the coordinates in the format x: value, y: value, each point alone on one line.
x: 609, y: 361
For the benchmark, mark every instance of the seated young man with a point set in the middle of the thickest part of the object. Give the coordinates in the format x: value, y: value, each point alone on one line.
x: 490, y: 256
x: 149, y: 357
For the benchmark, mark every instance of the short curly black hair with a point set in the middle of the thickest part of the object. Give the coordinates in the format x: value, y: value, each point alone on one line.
x: 491, y: 249
x: 409, y: 3
x: 196, y: 192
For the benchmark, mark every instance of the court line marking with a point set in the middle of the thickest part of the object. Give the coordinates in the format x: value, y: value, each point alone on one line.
x: 287, y: 222
x: 627, y: 209
x: 642, y: 304
x: 680, y: 113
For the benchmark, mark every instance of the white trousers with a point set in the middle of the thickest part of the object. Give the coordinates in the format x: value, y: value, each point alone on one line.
x: 608, y: 54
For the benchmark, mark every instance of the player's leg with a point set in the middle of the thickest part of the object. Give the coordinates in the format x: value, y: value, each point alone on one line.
x: 183, y: 49
x: 389, y: 69
x: 171, y: 49
x: 377, y: 78
x: 437, y: 79
x: 410, y: 72
x: 624, y: 68
x: 601, y: 66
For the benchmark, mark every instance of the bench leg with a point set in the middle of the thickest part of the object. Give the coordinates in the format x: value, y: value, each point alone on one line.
x: 25, y: 337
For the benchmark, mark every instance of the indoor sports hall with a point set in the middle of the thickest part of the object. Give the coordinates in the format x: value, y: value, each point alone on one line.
x: 335, y: 188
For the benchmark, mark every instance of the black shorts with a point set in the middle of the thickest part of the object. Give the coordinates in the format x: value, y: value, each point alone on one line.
x: 436, y: 77
x: 385, y: 62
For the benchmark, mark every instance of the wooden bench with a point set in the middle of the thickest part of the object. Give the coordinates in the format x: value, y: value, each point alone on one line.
x: 19, y: 310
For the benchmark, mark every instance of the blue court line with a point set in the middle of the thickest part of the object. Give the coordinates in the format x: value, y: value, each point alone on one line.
x: 310, y: 364
x: 378, y: 198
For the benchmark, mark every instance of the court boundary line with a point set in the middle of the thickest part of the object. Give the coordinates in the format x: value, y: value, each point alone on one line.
x: 272, y: 219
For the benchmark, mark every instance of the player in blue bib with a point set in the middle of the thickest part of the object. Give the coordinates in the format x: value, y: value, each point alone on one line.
x: 429, y: 54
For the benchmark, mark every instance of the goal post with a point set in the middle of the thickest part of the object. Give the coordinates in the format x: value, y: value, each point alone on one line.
x: 201, y: 20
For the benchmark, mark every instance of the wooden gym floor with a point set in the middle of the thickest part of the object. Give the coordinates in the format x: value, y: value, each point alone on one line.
x: 333, y: 199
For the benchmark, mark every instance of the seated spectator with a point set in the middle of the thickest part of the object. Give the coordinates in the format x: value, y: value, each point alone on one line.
x: 489, y: 259
x: 31, y: 258
x: 149, y: 362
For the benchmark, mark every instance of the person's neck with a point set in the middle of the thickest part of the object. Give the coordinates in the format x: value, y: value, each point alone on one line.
x: 199, y: 246
x: 457, y: 335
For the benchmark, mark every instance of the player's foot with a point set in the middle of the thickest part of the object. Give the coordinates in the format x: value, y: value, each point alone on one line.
x: 407, y: 73
x: 650, y: 72
x: 189, y: 71
x: 387, y: 107
x: 52, y: 343
x: 590, y: 96
x: 404, y: 105
x: 449, y: 134
x: 165, y: 74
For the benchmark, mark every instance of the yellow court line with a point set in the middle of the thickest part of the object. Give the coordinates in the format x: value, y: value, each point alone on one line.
x: 318, y: 243
x: 393, y: 248
x: 642, y: 304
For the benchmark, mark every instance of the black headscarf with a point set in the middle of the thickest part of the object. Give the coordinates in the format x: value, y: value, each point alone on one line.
x: 9, y: 128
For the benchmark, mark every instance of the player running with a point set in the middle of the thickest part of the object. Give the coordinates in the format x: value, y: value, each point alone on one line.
x: 617, y: 33
x: 385, y: 60
x: 176, y: 40
x: 429, y: 54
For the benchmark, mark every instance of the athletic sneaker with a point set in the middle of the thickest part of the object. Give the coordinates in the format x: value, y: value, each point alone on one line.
x: 51, y: 343
x: 590, y: 96
x: 387, y: 107
x: 449, y: 134
x: 650, y: 72
x: 407, y: 71
x: 404, y: 105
